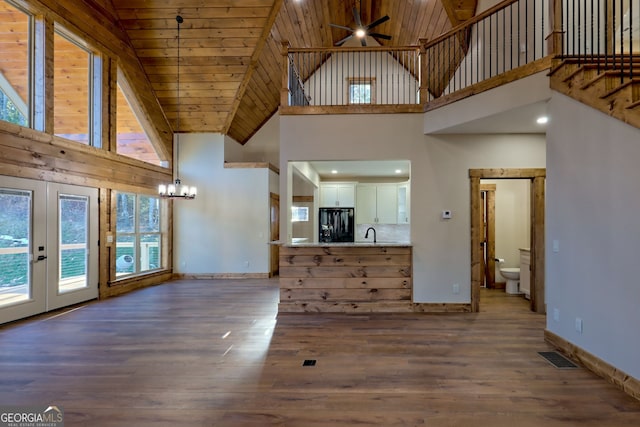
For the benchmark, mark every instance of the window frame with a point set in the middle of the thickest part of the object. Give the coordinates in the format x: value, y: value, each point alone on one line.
x: 94, y: 90
x: 137, y: 233
x: 31, y: 46
x: 371, y: 81
x: 299, y: 208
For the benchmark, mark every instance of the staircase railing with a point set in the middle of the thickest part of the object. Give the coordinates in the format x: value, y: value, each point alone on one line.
x: 505, y: 37
x: 605, y: 33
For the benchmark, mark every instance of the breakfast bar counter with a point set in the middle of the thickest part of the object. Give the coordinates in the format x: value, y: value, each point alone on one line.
x: 346, y: 277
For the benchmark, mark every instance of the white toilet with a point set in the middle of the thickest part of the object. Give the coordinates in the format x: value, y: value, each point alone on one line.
x: 513, y: 277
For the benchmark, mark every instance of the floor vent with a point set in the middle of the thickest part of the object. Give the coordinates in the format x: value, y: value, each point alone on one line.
x: 309, y: 362
x: 557, y: 360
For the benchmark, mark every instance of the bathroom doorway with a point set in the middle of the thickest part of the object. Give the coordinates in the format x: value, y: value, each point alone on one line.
x: 479, y: 231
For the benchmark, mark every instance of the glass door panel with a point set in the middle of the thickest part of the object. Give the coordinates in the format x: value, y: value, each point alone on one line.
x: 73, y: 230
x: 23, y: 260
x: 15, y: 241
x: 73, y: 225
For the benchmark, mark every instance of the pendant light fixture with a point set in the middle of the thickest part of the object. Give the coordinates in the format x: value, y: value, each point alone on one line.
x: 177, y: 190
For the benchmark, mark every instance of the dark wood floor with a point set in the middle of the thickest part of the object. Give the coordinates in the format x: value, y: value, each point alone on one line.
x: 215, y: 353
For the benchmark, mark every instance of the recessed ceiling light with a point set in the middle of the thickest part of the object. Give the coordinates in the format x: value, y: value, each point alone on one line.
x: 542, y: 120
x: 334, y: 171
x: 398, y: 171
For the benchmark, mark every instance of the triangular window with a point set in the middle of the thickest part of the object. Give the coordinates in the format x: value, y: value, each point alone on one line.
x: 132, y: 140
x: 14, y: 65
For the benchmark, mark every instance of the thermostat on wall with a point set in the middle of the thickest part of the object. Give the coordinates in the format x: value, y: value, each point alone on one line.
x: 446, y: 214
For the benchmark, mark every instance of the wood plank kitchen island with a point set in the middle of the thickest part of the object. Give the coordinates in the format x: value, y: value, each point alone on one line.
x: 346, y: 278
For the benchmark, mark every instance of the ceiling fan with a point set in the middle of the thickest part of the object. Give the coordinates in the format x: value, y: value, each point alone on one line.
x: 362, y: 31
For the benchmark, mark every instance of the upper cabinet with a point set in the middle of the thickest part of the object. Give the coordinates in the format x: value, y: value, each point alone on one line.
x: 377, y: 204
x: 337, y: 195
x: 403, y: 203
x: 384, y: 203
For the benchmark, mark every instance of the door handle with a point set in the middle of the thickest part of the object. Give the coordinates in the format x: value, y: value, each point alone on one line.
x: 41, y: 258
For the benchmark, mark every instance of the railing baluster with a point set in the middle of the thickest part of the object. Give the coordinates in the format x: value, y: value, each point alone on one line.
x: 631, y: 53
x: 622, y: 42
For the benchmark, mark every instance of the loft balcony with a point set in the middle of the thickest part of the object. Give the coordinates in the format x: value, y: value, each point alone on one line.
x: 507, y: 42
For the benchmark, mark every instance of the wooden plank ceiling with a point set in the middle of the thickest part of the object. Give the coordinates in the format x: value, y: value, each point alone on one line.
x: 230, y: 50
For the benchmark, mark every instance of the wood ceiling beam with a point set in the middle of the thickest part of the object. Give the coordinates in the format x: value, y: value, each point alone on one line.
x: 459, y: 11
x: 451, y: 12
x: 275, y: 9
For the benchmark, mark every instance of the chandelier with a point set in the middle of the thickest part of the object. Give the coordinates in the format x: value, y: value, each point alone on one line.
x: 177, y: 190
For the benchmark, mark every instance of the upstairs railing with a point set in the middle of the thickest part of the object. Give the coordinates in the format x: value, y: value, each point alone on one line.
x: 508, y: 41
x: 605, y: 33
x: 352, y: 76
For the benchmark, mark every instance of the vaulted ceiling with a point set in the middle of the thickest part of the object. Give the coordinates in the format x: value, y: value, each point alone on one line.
x: 230, y: 50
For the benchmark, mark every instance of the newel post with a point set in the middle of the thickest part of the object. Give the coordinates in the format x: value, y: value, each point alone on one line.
x: 424, y: 79
x: 284, y: 90
x: 554, y: 40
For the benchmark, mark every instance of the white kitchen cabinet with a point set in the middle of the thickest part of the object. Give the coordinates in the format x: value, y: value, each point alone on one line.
x: 376, y: 204
x: 337, y: 195
x: 403, y: 203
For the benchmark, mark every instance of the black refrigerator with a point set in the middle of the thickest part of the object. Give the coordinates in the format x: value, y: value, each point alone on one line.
x: 336, y: 225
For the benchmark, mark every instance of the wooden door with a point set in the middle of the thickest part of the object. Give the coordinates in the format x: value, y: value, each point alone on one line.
x: 274, y: 253
x: 488, y: 233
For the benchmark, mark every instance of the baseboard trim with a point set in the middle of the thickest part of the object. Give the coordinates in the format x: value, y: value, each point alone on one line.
x: 371, y: 307
x: 445, y: 307
x: 210, y: 276
x: 624, y: 381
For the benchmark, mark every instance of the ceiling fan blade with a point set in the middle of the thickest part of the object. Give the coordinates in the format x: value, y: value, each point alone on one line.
x: 339, y: 43
x: 341, y: 27
x: 356, y: 16
x: 380, y: 36
x: 377, y: 22
x: 363, y: 41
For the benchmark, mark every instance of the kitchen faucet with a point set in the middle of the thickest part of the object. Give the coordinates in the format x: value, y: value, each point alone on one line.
x: 366, y: 235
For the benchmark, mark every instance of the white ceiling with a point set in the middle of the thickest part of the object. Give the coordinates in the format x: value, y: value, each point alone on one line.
x: 348, y: 169
x: 515, y: 120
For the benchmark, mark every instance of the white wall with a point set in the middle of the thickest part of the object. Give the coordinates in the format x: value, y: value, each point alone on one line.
x: 439, y: 180
x: 263, y: 146
x: 592, y: 212
x: 227, y: 225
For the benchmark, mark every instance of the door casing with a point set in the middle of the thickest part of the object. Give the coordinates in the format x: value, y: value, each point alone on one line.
x: 537, y: 177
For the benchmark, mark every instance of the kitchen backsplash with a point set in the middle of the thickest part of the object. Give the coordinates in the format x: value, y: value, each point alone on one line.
x: 400, y: 233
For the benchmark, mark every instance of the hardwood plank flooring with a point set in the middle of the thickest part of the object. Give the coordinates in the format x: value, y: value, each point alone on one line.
x: 216, y: 353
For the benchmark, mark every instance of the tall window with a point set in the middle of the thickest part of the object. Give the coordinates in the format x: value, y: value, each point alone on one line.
x: 361, y: 90
x: 14, y: 64
x: 138, y: 233
x: 131, y: 137
x: 76, y: 72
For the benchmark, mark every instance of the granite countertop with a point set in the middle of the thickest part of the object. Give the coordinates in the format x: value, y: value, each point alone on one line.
x: 349, y: 244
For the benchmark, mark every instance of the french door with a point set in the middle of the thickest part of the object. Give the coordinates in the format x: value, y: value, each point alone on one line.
x: 48, y: 246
